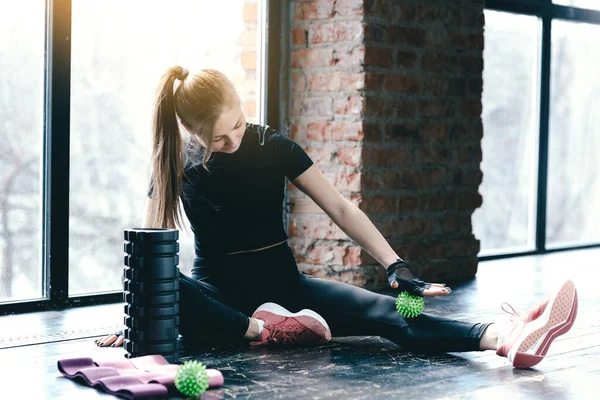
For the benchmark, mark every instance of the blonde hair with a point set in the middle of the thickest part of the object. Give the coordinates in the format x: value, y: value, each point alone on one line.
x: 198, y: 102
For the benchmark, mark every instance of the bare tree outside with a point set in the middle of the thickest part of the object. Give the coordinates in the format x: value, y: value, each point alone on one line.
x: 119, y: 51
x: 22, y: 35
x: 574, y: 137
x: 510, y: 127
x: 505, y: 222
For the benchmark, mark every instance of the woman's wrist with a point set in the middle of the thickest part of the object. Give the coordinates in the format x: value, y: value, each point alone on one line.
x: 391, y: 261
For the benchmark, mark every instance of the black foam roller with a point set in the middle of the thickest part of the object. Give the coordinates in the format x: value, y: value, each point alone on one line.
x: 150, y: 312
x: 151, y: 291
x: 150, y: 347
x: 150, y: 249
x: 151, y: 235
x: 150, y: 274
x: 155, y: 261
x: 151, y: 299
x: 169, y: 285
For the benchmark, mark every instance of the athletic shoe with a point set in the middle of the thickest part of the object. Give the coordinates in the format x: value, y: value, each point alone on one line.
x: 526, y: 340
x: 284, y: 327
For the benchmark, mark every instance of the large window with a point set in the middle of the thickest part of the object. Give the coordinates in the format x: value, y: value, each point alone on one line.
x: 22, y: 37
x: 77, y: 88
x: 541, y: 110
x: 119, y: 52
x: 574, y: 137
x: 506, y: 221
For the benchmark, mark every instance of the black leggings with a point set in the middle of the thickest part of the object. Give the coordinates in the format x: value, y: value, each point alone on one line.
x: 216, y: 303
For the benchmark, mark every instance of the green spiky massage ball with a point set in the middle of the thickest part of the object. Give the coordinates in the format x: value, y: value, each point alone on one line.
x: 409, y: 306
x: 191, y: 378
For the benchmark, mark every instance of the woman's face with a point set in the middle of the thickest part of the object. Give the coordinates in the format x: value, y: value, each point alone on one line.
x: 229, y: 131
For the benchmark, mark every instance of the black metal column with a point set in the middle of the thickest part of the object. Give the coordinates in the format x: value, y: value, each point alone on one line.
x: 56, y: 179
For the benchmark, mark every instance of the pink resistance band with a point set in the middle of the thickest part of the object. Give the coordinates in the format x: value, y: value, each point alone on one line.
x: 135, y: 378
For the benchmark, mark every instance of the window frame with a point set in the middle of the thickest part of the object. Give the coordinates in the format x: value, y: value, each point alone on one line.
x: 547, y: 12
x: 56, y: 152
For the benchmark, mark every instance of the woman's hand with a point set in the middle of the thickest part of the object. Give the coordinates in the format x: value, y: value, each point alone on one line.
x: 400, y: 277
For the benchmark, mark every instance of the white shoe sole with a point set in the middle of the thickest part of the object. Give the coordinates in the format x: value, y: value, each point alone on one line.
x: 556, y: 320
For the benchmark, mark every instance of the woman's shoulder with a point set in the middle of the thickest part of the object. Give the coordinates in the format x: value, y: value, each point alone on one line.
x: 265, y: 135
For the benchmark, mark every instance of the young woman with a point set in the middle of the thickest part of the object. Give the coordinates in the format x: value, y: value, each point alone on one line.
x: 230, y: 177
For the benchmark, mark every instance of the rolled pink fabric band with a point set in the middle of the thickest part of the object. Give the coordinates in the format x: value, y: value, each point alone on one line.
x: 215, y: 378
x: 135, y: 378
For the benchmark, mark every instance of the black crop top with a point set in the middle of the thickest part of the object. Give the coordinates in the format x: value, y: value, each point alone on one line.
x: 238, y: 203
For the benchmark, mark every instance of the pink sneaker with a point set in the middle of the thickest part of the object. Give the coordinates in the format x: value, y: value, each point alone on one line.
x: 283, y: 327
x: 526, y: 341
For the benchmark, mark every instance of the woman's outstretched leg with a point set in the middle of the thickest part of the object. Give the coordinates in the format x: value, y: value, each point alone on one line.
x: 353, y: 311
x: 524, y: 340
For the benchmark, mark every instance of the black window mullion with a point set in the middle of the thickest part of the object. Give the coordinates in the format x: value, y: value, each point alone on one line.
x: 57, y: 134
x: 576, y: 14
x: 542, y: 188
x: 274, y: 62
x: 532, y: 7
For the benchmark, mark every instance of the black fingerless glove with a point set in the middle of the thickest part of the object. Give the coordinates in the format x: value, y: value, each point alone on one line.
x: 399, y: 272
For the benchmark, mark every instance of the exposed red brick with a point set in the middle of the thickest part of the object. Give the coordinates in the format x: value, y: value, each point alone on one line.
x: 433, y: 155
x: 349, y: 105
x: 298, y: 82
x: 299, y: 36
x: 402, y: 83
x: 249, y: 59
x: 320, y: 155
x: 352, y: 81
x: 346, y: 8
x: 374, y: 80
x: 403, y: 35
x: 335, y: 32
x: 395, y: 98
x: 312, y: 106
x: 348, y: 57
x: 250, y: 12
x: 334, y: 131
x: 378, y: 8
x: 325, y: 81
x: 311, y: 10
x: 406, y: 59
x: 349, y: 155
x: 469, y: 153
x: 250, y: 108
x: 379, y: 204
x: 379, y: 57
x: 320, y: 57
x: 298, y: 133
x: 471, y: 108
x: 374, y: 157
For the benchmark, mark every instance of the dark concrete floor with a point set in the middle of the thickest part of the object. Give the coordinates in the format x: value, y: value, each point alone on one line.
x: 347, y: 368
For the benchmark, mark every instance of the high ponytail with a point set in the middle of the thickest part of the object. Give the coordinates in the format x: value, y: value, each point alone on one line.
x: 197, y: 104
x: 164, y: 209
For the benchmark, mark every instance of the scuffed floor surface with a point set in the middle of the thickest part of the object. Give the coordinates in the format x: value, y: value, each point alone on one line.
x: 347, y: 368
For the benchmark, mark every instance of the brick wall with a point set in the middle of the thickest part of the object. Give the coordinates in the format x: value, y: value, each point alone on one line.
x: 386, y: 98
x: 326, y: 117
